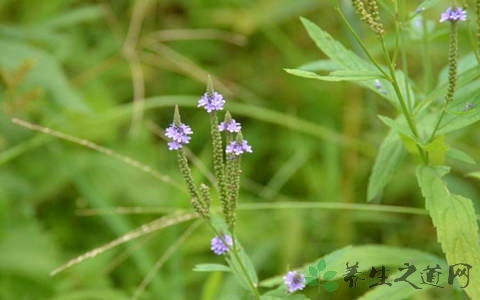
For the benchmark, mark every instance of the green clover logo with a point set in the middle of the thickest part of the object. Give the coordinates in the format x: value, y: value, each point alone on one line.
x: 314, y: 279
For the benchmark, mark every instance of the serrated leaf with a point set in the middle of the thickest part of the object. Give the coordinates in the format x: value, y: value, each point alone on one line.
x: 322, y: 264
x: 459, y: 155
x: 390, y: 154
x: 454, y: 218
x: 311, y: 281
x: 331, y: 286
x: 329, y: 275
x: 313, y: 271
x: 211, y: 268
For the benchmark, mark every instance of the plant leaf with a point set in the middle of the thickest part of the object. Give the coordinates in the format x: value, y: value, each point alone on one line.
x: 454, y: 218
x: 459, y: 155
x: 211, y: 268
x: 389, y: 156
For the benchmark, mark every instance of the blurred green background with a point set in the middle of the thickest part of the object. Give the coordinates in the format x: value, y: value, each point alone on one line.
x: 77, y: 66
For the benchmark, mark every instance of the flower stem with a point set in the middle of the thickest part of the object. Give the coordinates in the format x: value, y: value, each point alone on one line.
x: 234, y: 252
x: 452, y: 76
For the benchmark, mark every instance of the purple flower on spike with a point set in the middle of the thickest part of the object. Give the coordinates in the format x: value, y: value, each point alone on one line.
x: 237, y: 148
x: 232, y: 126
x: 453, y: 15
x: 295, y: 281
x: 211, y: 101
x: 179, y: 135
x: 219, y: 247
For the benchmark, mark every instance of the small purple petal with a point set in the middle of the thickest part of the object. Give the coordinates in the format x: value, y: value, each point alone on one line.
x: 232, y: 126
x: 179, y: 135
x: 174, y: 146
x: 452, y: 15
x: 218, y: 247
x: 295, y: 281
x: 238, y: 148
x: 211, y: 102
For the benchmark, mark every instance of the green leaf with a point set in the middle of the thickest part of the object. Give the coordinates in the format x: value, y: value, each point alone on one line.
x: 322, y: 264
x: 311, y: 281
x: 399, y: 125
x: 329, y: 275
x: 389, y: 156
x: 313, y: 271
x: 331, y: 286
x: 459, y: 155
x: 320, y: 65
x: 474, y: 175
x: 454, y: 218
x: 348, y: 61
x: 336, y: 75
x: 211, y: 268
x: 437, y: 150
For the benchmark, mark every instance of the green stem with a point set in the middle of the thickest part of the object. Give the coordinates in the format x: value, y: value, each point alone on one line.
x: 234, y: 252
x: 362, y: 45
x: 403, y: 105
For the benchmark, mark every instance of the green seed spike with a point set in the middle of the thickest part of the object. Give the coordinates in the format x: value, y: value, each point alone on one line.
x: 210, y: 88
x: 452, y: 63
x: 228, y: 117
x: 192, y: 188
x: 218, y: 158
x: 176, y: 116
x: 205, y: 199
x: 233, y: 185
x: 239, y: 137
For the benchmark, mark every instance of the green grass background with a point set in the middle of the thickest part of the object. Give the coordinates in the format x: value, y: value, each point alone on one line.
x: 64, y: 65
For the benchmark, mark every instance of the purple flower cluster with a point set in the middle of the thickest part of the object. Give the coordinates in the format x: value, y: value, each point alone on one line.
x: 295, y: 281
x: 238, y: 147
x: 231, y: 126
x: 219, y: 247
x: 453, y: 15
x: 211, y: 101
x: 179, y: 135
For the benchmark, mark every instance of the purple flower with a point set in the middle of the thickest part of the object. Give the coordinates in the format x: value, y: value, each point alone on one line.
x: 295, y: 281
x: 218, y: 247
x: 453, y: 15
x: 179, y: 135
x: 238, y: 148
x: 211, y: 101
x: 378, y: 84
x: 232, y: 126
